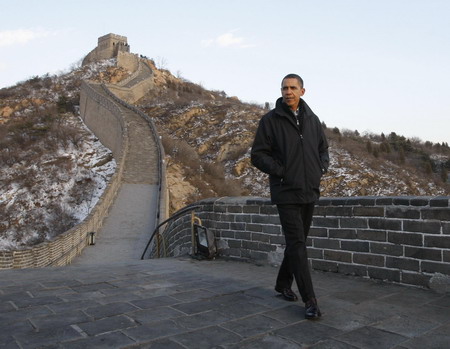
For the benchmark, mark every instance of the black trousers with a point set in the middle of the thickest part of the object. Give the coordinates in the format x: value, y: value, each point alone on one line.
x: 296, y: 221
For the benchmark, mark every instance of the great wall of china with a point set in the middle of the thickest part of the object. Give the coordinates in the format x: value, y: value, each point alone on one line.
x: 400, y: 239
x: 107, y: 111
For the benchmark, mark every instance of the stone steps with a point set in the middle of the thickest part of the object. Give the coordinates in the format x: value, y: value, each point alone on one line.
x: 132, y: 217
x: 141, y: 164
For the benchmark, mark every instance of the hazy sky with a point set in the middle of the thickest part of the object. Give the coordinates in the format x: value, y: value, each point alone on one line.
x: 376, y: 66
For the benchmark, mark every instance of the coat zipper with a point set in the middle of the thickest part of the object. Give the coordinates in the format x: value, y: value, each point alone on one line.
x: 303, y: 153
x: 298, y: 127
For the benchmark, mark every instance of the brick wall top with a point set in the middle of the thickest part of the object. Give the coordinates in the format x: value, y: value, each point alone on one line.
x: 417, y: 201
x: 401, y: 239
x: 432, y: 201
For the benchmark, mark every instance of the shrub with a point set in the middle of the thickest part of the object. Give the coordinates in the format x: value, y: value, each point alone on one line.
x: 6, y: 92
x: 444, y: 175
x: 369, y: 147
x: 428, y: 167
x: 376, y: 152
x: 401, y: 156
x: 214, y: 170
x: 60, y: 221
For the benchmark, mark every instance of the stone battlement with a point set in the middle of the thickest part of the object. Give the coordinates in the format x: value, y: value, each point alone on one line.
x: 108, y: 46
x: 399, y: 239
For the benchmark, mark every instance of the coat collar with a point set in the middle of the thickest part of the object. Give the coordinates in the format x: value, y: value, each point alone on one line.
x: 283, y: 110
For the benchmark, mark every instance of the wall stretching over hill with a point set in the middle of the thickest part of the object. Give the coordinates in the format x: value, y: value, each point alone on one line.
x: 103, y: 117
x: 400, y: 239
x: 162, y: 211
x: 138, y: 84
x: 66, y: 246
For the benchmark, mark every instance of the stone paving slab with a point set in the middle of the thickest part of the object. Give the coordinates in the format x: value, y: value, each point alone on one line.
x: 127, y: 228
x: 186, y: 303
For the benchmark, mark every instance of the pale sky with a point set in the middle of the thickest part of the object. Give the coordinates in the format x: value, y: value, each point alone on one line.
x: 375, y: 66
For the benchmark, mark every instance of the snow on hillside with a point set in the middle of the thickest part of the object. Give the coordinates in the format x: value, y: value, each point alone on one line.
x: 204, y: 133
x: 351, y: 175
x: 86, y: 168
x: 45, y: 191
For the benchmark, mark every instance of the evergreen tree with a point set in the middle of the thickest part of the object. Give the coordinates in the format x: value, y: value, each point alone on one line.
x: 62, y: 104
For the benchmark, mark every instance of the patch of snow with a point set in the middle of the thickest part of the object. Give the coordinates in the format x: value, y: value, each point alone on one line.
x: 91, y: 163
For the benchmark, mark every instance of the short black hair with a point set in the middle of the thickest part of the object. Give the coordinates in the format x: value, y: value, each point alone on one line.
x: 293, y: 76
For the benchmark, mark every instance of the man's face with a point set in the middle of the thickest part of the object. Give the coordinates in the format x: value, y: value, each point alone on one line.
x: 291, y: 91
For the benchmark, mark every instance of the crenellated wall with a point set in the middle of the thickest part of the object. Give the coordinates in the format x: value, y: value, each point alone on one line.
x: 129, y: 61
x: 400, y: 239
x: 163, y: 203
x: 135, y: 86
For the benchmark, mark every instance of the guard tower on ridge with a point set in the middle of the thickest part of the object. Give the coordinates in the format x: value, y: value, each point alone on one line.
x: 108, y: 46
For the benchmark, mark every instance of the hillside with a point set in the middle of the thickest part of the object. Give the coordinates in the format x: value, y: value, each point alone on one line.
x: 53, y: 169
x: 207, y: 136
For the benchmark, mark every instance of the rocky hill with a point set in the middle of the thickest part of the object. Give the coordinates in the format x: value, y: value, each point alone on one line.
x: 207, y: 136
x: 53, y: 169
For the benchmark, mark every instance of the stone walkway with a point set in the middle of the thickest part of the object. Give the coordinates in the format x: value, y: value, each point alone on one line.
x: 126, y: 230
x: 141, y: 165
x: 132, y: 218
x: 108, y: 298
x: 186, y: 303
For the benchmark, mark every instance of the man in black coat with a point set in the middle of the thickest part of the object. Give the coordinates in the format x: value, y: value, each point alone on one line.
x: 291, y: 147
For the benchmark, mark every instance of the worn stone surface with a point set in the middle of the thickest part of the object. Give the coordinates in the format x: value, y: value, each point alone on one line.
x: 186, y: 303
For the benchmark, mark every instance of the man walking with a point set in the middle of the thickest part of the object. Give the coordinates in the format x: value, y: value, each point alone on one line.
x: 291, y: 147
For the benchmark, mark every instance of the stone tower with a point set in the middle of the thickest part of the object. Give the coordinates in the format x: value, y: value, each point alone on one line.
x: 108, y: 47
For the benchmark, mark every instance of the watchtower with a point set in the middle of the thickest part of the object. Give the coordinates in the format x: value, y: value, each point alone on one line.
x: 108, y: 47
x: 113, y: 43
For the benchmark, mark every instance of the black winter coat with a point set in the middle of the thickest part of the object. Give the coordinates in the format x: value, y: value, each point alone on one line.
x: 295, y: 156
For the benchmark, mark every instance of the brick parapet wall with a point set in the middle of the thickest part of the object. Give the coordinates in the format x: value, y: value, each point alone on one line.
x: 61, y: 250
x: 136, y: 86
x: 103, y: 116
x: 131, y: 62
x: 400, y: 239
x: 163, y: 203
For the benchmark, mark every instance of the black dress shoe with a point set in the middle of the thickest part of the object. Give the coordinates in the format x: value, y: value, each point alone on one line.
x: 312, y: 310
x: 287, y: 294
